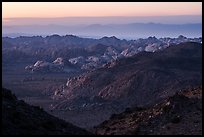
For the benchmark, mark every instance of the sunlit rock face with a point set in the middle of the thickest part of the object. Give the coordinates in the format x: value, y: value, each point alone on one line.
x: 78, y: 60
x: 59, y: 61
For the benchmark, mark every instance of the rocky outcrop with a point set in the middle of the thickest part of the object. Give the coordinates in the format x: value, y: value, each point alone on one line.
x: 43, y: 66
x: 58, y: 65
x: 180, y: 114
x: 59, y: 61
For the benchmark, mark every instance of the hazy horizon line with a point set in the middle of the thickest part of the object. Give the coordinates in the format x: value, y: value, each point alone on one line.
x: 146, y: 23
x: 97, y: 16
x: 84, y: 36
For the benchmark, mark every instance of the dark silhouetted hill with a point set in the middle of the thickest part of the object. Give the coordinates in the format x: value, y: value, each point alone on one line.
x: 19, y: 118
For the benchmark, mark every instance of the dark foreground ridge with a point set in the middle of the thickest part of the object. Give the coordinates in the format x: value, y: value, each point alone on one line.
x: 180, y: 114
x: 19, y: 118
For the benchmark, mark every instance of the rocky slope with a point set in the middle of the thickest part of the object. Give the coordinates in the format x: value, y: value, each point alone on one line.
x: 144, y: 79
x: 180, y: 114
x: 19, y: 118
x: 139, y: 80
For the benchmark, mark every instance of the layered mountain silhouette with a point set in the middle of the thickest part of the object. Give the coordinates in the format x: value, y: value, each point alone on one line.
x: 141, y: 80
x: 19, y: 118
x: 129, y: 30
x: 112, y: 75
x: 83, y: 53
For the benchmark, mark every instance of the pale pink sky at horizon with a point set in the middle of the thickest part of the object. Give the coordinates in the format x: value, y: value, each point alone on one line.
x: 75, y: 9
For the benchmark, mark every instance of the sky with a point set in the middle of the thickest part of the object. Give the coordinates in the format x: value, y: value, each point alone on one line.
x: 75, y: 9
x: 26, y: 17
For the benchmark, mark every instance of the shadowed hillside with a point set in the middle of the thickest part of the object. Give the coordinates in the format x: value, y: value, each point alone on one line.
x: 144, y: 79
x: 180, y: 114
x: 19, y: 118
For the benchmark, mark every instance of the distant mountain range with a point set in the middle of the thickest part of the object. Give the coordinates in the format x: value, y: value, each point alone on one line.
x: 123, y: 31
x: 63, y: 53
